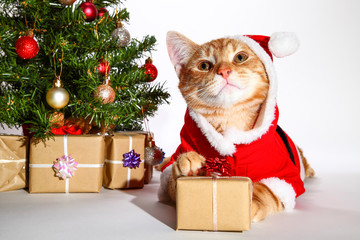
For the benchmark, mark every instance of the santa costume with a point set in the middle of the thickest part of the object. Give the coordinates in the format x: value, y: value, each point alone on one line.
x: 265, y: 153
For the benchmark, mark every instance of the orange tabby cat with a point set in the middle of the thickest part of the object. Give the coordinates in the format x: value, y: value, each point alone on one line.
x: 229, y: 86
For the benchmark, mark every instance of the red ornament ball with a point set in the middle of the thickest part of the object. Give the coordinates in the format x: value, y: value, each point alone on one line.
x: 90, y: 11
x: 26, y: 47
x: 152, y: 70
x: 104, y: 67
x: 101, y: 12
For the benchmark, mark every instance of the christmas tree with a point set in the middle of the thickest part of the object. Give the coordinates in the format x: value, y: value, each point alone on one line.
x: 73, y: 64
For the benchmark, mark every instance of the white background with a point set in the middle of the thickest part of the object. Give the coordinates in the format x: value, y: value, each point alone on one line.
x: 319, y: 108
x: 318, y: 92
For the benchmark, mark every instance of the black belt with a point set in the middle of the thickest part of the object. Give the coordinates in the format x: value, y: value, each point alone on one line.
x: 286, y: 142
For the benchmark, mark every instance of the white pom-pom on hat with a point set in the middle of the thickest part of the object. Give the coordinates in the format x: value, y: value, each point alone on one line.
x: 282, y: 44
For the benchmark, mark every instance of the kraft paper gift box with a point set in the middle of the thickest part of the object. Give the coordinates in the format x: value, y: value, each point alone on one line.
x: 86, y: 150
x: 116, y: 175
x: 149, y: 171
x: 13, y: 150
x: 148, y: 168
x: 214, y: 204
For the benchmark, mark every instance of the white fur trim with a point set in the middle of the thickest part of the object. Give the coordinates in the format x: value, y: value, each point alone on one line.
x: 282, y: 44
x: 302, y: 168
x: 224, y: 144
x: 163, y: 194
x: 283, y: 190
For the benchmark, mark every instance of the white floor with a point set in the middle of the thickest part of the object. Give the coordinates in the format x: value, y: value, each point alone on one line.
x: 330, y: 209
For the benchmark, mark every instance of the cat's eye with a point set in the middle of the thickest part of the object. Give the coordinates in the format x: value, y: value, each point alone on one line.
x: 205, y: 65
x: 240, y: 57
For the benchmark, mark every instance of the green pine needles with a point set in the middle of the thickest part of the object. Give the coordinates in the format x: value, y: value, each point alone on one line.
x: 71, y: 48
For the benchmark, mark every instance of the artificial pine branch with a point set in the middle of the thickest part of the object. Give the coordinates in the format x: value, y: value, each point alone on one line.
x: 69, y: 43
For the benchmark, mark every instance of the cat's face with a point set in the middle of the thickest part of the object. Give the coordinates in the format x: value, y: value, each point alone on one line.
x: 220, y: 73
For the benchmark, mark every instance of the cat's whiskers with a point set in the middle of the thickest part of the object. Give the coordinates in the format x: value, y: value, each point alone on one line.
x: 195, y: 92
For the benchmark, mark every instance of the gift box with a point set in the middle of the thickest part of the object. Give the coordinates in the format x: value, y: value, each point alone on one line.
x: 149, y: 171
x: 13, y: 150
x: 68, y: 163
x: 124, y: 161
x: 214, y: 203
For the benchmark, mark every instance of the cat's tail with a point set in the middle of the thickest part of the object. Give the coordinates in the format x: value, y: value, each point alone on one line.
x: 309, y: 171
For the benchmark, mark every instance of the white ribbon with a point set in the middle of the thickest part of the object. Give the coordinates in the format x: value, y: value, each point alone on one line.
x: 79, y: 165
x: 117, y: 162
x: 129, y: 170
x: 66, y: 153
x: 10, y: 161
x: 214, y: 204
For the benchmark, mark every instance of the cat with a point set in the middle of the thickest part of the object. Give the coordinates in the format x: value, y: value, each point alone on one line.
x: 229, y: 86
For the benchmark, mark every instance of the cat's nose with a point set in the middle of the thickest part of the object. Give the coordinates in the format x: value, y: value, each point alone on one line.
x: 224, y: 72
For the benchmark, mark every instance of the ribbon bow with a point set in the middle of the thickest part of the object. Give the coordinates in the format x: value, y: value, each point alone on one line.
x: 65, y: 167
x: 217, y: 166
x: 131, y: 159
x: 66, y: 130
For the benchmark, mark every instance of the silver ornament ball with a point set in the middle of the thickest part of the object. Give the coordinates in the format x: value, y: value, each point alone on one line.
x: 121, y: 34
x: 153, y: 155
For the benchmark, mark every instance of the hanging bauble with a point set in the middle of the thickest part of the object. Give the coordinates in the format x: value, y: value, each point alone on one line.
x: 67, y: 2
x: 150, y: 69
x: 153, y: 154
x: 104, y: 67
x: 101, y: 12
x: 26, y: 46
x: 121, y: 34
x: 57, y: 119
x: 105, y: 92
x: 90, y: 11
x: 57, y: 97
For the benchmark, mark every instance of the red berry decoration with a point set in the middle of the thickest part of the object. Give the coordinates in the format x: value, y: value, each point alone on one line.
x: 26, y: 47
x: 150, y: 69
x: 101, y: 12
x: 104, y: 67
x: 90, y: 11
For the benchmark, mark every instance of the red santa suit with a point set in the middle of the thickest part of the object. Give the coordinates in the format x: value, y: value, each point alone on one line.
x: 265, y: 154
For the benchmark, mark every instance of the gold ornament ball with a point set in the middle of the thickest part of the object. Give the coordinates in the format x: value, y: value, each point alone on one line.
x: 67, y: 2
x: 105, y: 93
x: 57, y: 97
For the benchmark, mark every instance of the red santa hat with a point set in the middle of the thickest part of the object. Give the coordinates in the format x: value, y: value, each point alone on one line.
x: 280, y: 44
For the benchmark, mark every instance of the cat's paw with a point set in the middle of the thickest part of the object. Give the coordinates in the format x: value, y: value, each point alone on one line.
x: 188, y: 164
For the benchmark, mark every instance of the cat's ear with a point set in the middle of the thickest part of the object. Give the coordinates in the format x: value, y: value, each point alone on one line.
x: 180, y: 49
